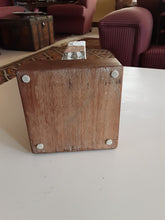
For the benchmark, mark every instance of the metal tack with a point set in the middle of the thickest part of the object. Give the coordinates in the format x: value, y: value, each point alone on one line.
x: 108, y: 142
x: 40, y: 146
x: 26, y: 78
x: 115, y: 74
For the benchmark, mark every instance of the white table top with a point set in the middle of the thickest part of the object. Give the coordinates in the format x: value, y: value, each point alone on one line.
x: 127, y: 183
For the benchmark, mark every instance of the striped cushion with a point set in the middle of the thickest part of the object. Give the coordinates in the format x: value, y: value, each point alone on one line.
x: 154, y: 57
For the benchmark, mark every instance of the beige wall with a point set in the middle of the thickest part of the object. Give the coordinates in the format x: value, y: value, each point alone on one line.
x: 103, y: 7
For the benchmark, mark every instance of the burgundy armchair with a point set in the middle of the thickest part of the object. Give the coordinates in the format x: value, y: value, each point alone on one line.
x: 131, y: 35
x: 73, y: 18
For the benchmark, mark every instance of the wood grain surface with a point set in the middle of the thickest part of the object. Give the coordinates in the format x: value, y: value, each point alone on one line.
x: 71, y: 105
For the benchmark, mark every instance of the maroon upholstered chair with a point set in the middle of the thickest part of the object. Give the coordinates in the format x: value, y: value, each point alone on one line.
x: 130, y: 34
x: 73, y: 18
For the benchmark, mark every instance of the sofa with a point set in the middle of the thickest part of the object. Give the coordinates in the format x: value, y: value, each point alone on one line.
x: 131, y: 35
x: 73, y: 18
x: 7, y: 8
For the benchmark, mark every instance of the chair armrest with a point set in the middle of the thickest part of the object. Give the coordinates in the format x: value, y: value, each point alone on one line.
x: 126, y: 33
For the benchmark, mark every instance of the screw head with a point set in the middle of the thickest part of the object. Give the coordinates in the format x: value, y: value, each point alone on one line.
x: 40, y: 146
x: 26, y: 78
x: 115, y: 74
x: 108, y: 142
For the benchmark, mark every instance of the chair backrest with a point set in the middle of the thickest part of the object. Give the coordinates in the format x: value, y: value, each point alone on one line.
x: 154, y: 7
x: 87, y: 3
x: 83, y: 2
x: 5, y: 3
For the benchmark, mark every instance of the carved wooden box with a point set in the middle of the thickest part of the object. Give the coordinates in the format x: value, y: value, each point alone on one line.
x: 26, y: 33
x: 72, y: 105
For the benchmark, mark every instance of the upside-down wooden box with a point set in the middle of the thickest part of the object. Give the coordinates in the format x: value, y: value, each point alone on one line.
x: 72, y: 105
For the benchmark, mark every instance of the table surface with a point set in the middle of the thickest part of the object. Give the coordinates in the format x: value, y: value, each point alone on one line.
x: 127, y: 183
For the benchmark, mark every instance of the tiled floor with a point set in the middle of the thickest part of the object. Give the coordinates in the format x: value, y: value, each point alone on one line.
x: 8, y: 56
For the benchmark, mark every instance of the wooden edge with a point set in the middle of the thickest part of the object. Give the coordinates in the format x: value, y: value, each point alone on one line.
x: 63, y: 64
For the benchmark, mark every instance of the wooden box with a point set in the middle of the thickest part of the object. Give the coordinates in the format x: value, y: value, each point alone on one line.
x: 26, y: 33
x: 71, y: 105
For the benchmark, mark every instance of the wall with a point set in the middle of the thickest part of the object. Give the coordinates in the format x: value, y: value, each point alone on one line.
x: 103, y: 7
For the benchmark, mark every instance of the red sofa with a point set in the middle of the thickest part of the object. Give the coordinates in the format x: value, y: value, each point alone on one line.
x: 6, y: 8
x: 131, y: 33
x: 73, y: 18
x: 5, y: 3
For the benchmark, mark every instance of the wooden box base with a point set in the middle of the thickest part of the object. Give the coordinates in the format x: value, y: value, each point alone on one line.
x: 71, y: 105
